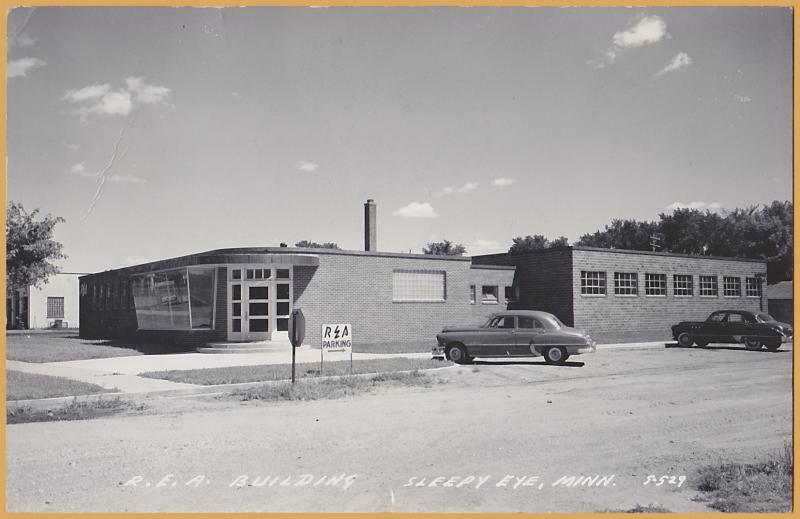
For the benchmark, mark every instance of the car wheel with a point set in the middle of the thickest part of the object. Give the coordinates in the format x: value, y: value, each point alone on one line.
x: 752, y: 344
x: 773, y: 345
x: 557, y: 355
x: 701, y: 342
x: 685, y: 339
x: 457, y: 353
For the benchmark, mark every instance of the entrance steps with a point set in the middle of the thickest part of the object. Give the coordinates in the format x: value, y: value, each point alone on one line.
x: 246, y: 347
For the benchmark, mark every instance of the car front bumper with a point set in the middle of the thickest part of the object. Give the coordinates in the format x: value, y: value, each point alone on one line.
x: 437, y: 352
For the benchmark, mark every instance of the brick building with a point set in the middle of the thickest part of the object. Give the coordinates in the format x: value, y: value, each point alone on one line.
x: 247, y: 294
x: 53, y: 305
x: 608, y: 290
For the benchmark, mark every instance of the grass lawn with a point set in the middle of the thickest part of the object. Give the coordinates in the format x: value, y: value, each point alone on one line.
x: 28, y: 386
x: 59, y: 346
x: 264, y: 373
x: 74, y: 410
x: 310, y: 389
x: 764, y: 486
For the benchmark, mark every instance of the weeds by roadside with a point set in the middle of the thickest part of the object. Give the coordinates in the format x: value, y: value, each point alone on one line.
x: 764, y: 486
x: 74, y: 410
x: 330, y: 388
x: 641, y: 509
x: 270, y: 372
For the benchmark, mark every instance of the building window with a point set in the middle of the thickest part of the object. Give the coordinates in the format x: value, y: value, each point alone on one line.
x: 708, y: 286
x: 593, y: 283
x: 414, y: 285
x: 753, y: 287
x: 489, y: 294
x: 472, y: 294
x: 55, y: 307
x: 510, y: 293
x: 626, y: 283
x: 655, y: 284
x: 163, y: 299
x: 682, y: 285
x: 732, y: 286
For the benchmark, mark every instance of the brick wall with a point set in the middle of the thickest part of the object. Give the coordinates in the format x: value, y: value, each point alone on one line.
x: 543, y: 279
x: 613, y: 313
x: 357, y: 289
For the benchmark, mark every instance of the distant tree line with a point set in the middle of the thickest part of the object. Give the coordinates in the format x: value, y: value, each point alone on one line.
x: 754, y: 232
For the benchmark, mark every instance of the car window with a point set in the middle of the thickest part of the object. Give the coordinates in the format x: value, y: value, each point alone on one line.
x: 735, y: 318
x: 506, y: 321
x: 765, y: 318
x: 529, y: 322
x: 716, y: 317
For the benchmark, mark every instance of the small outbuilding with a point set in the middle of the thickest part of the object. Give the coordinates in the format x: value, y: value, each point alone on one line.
x: 781, y: 301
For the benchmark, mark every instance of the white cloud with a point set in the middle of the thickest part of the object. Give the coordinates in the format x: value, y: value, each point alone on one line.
x: 23, y: 40
x: 714, y: 207
x: 741, y: 98
x: 485, y: 247
x: 416, y: 210
x: 101, y: 100
x: 466, y: 188
x: 127, y: 179
x: 306, y: 166
x: 645, y: 30
x: 502, y: 182
x: 149, y: 94
x: 21, y: 67
x: 78, y: 168
x: 680, y: 60
x: 86, y: 93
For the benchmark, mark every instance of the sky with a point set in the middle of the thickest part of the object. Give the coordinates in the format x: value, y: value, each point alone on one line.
x: 159, y: 132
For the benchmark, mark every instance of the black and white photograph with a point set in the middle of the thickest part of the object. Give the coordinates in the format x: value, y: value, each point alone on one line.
x: 399, y: 259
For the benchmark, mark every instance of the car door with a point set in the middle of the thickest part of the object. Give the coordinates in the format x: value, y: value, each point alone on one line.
x: 527, y: 329
x: 733, y: 327
x: 497, y: 339
x: 713, y: 329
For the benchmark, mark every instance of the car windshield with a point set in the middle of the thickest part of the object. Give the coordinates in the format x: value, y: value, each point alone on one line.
x: 765, y: 318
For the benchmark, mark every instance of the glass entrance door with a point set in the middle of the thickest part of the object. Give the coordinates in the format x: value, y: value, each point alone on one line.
x: 249, y: 304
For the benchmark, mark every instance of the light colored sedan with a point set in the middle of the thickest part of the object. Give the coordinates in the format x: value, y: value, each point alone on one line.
x: 517, y: 333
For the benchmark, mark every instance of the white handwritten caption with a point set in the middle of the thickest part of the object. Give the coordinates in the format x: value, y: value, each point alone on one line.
x: 508, y: 481
x: 342, y: 481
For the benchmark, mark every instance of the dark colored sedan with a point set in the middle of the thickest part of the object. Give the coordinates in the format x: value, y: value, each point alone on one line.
x: 754, y: 329
x: 519, y: 333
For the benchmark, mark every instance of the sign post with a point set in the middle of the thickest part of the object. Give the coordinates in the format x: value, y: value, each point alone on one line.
x: 337, y: 341
x: 297, y: 332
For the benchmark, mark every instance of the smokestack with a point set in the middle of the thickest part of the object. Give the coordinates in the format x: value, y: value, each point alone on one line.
x: 370, y: 229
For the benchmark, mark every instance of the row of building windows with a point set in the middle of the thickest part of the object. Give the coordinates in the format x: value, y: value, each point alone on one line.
x: 593, y: 283
x: 108, y: 296
x: 490, y: 294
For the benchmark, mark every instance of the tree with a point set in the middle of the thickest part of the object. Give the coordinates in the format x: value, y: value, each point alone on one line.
x: 305, y: 244
x: 30, y: 249
x: 621, y: 234
x: 444, y: 248
x: 536, y: 242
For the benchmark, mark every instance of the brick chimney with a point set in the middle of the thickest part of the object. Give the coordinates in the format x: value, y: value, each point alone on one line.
x: 370, y: 229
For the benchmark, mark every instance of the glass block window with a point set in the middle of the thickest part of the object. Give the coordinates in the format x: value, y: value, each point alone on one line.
x: 416, y: 285
x: 682, y: 285
x: 593, y: 283
x: 472, y: 294
x: 626, y: 283
x: 708, y: 286
x: 753, y: 287
x: 655, y: 284
x: 55, y: 307
x: 489, y: 294
x: 732, y: 286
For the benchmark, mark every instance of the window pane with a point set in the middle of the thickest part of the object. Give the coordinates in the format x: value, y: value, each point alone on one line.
x: 236, y: 274
x: 472, y: 294
x: 55, y: 307
x: 250, y: 273
x: 201, y: 292
x: 283, y: 291
x: 237, y: 309
x: 489, y: 294
x: 236, y: 325
x: 283, y: 274
x: 258, y: 309
x: 259, y: 325
x: 258, y: 292
x: 237, y: 293
x: 418, y: 285
x: 282, y: 324
x: 282, y: 308
x: 525, y: 322
x: 162, y: 300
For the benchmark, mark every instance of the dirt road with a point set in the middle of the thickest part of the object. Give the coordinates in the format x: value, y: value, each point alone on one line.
x: 491, y: 437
